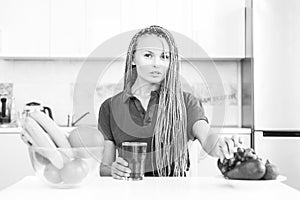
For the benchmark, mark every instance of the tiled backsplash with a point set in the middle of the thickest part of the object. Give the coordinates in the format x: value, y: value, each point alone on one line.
x: 50, y: 83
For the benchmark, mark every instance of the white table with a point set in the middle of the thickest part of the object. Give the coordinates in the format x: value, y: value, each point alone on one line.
x: 154, y: 188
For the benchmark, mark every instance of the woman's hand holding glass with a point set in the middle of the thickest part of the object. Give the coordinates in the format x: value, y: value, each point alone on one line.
x: 120, y: 169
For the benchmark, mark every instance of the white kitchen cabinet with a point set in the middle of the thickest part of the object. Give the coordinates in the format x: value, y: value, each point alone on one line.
x: 175, y: 15
x: 67, y: 28
x: 217, y: 26
x: 103, y: 21
x: 15, y: 161
x: 137, y: 14
x: 25, y: 28
x: 42, y: 29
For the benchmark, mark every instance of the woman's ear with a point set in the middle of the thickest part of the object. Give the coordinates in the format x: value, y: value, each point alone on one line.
x: 133, y: 61
x: 133, y: 58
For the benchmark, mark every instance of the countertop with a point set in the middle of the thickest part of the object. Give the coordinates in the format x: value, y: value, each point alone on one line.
x: 154, y: 188
x: 224, y: 130
x: 17, y: 130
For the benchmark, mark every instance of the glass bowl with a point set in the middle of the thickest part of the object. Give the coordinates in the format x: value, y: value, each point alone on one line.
x: 66, y: 167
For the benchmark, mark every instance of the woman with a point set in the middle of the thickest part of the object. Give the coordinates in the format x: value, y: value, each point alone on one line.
x: 152, y: 108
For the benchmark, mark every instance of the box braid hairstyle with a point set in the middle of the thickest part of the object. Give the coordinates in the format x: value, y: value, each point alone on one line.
x: 170, y: 132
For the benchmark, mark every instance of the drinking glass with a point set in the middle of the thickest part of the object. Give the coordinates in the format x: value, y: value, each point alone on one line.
x: 135, y: 154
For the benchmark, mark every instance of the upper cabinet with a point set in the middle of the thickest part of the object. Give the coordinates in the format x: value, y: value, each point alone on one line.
x: 137, y: 14
x: 66, y: 28
x: 219, y: 27
x: 103, y: 21
x: 25, y: 28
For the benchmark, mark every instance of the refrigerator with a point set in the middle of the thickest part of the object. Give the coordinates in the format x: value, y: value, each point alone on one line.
x: 276, y: 84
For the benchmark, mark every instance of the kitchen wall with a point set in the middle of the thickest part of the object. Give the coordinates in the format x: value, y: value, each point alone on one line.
x: 50, y: 82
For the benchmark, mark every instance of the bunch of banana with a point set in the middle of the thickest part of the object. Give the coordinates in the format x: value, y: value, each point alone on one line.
x: 41, y: 131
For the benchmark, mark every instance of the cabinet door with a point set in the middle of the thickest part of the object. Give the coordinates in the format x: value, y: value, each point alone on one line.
x: 67, y: 28
x: 25, y: 28
x: 219, y: 27
x: 138, y: 14
x: 175, y: 16
x: 103, y: 21
x: 15, y: 161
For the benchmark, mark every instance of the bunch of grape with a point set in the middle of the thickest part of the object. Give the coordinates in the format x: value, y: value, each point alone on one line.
x: 241, y: 155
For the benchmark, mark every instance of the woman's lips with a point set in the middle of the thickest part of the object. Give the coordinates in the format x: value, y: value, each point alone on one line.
x: 155, y: 73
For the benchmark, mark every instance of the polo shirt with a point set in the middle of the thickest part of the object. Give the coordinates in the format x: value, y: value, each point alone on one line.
x: 122, y: 118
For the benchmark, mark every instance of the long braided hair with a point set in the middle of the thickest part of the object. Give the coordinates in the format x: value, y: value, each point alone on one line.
x: 170, y: 137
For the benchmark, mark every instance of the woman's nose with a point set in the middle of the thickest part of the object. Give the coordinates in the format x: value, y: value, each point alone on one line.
x: 156, y: 61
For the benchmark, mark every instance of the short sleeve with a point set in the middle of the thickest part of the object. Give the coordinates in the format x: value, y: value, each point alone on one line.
x: 195, y: 112
x: 104, y: 121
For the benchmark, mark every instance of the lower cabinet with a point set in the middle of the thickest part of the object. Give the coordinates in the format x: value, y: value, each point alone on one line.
x: 14, y: 158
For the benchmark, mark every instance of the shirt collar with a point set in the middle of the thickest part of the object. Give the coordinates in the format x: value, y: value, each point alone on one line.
x: 128, y: 94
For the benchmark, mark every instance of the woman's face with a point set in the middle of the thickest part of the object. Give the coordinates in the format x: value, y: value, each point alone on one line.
x: 152, y: 59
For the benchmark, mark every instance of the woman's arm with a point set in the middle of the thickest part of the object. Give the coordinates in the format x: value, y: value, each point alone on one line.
x: 208, y: 140
x: 212, y: 143
x: 109, y: 157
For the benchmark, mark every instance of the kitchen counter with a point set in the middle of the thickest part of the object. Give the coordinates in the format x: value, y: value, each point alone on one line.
x: 225, y: 130
x: 10, y: 130
x: 17, y: 130
x: 154, y: 188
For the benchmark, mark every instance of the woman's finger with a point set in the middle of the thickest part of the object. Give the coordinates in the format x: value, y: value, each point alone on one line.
x: 115, y: 175
x: 119, y: 171
x: 222, y: 149
x: 123, y: 169
x: 236, y: 140
x: 241, y: 140
x: 121, y: 161
x: 230, y: 146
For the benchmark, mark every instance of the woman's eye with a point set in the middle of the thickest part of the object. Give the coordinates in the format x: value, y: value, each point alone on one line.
x: 148, y: 55
x: 165, y: 56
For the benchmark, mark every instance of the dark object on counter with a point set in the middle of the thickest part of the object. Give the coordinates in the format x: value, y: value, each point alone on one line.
x: 246, y: 165
x: 3, y: 107
x: 44, y: 109
x: 5, y: 113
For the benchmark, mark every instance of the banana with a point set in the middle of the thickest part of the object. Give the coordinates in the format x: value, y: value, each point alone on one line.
x: 42, y: 139
x: 27, y: 139
x: 58, y: 136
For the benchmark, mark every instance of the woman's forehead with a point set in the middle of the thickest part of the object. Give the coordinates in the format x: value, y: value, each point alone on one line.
x: 152, y: 42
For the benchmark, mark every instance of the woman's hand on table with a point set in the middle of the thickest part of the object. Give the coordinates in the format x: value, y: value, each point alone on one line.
x: 120, y: 169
